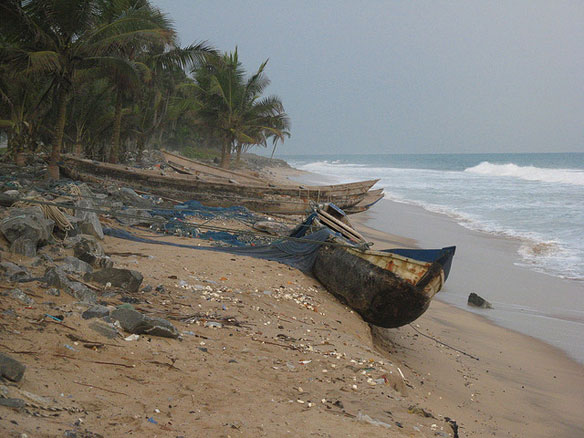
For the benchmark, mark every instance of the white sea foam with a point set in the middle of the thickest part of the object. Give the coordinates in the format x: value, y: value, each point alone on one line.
x: 529, y: 173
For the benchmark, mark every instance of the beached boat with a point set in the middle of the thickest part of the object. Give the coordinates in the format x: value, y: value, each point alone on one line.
x: 371, y: 198
x: 192, y: 167
x: 215, y: 191
x: 387, y: 288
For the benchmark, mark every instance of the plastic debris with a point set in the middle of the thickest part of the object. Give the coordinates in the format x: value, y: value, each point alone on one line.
x: 367, y: 419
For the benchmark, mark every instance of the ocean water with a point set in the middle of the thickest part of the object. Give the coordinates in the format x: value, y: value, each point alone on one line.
x: 535, y: 199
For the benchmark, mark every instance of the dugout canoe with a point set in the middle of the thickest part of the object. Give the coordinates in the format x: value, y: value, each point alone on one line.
x: 209, y: 191
x: 389, y: 288
x: 192, y: 167
x: 372, y: 197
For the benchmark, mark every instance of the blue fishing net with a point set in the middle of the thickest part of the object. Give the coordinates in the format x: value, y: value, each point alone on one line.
x: 195, y: 208
x: 299, y: 254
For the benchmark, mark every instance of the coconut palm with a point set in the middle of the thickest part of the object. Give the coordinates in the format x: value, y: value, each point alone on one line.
x: 233, y: 106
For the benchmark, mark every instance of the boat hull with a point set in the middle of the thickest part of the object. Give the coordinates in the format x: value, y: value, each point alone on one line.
x: 387, y: 290
x: 322, y: 193
x: 213, y: 193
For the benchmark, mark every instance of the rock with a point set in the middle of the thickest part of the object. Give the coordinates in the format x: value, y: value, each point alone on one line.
x: 88, y: 249
x: 96, y: 311
x: 29, y: 225
x: 16, y: 403
x: 56, y: 277
x: 24, y: 246
x: 122, y: 278
x: 11, y: 368
x: 12, y: 194
x: 478, y: 301
x: 42, y: 259
x: 76, y: 266
x: 21, y: 296
x: 141, y: 217
x: 89, y: 221
x: 274, y: 228
x: 130, y: 197
x: 104, y: 329
x: 134, y: 322
x: 53, y: 291
x: 81, y: 292
x: 14, y: 272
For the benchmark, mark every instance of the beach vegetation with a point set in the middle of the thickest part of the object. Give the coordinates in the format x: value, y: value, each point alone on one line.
x: 107, y: 79
x: 232, y: 106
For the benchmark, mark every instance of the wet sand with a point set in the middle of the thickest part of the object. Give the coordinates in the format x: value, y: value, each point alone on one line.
x: 540, y: 305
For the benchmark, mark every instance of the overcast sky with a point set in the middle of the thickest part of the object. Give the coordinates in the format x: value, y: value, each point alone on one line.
x: 409, y: 76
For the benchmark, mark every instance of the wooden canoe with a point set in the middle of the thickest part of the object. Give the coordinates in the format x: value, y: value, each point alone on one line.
x: 371, y: 198
x: 321, y: 193
x: 194, y: 167
x: 216, y: 192
x: 387, y: 288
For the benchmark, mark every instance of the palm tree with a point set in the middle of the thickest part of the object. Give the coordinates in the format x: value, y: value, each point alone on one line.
x: 233, y: 106
x: 20, y: 110
x: 59, y: 37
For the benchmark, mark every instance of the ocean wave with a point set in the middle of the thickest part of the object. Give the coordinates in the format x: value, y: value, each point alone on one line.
x: 325, y: 165
x: 529, y: 173
x: 543, y: 255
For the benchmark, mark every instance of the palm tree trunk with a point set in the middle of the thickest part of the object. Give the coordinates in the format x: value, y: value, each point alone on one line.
x: 115, y: 152
x: 140, y: 142
x: 239, y: 149
x: 226, y: 154
x: 78, y: 147
x: 53, y: 168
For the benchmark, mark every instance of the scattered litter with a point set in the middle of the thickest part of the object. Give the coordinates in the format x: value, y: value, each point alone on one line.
x: 367, y: 419
x: 132, y: 338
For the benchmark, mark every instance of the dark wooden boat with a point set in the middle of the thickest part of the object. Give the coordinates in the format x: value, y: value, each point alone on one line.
x: 214, y: 191
x: 371, y: 198
x: 387, y: 288
x: 192, y: 167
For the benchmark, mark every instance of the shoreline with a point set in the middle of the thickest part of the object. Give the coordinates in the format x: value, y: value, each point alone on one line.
x: 487, y: 265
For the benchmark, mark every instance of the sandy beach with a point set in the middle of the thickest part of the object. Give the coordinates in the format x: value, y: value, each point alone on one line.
x: 266, y: 351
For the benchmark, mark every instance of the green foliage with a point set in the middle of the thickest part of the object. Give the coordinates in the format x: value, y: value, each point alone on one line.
x: 201, y: 153
x: 104, y: 77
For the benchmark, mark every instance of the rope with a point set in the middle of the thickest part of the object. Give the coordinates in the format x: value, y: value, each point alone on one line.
x: 442, y: 343
x: 49, y: 211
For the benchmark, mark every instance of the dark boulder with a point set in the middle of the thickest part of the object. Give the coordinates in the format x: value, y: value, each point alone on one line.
x: 96, y: 311
x: 122, y: 278
x: 89, y: 221
x: 88, y: 249
x: 133, y: 321
x: 478, y: 301
x: 76, y: 266
x: 13, y: 272
x: 26, y: 229
x: 11, y: 369
x: 58, y: 278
